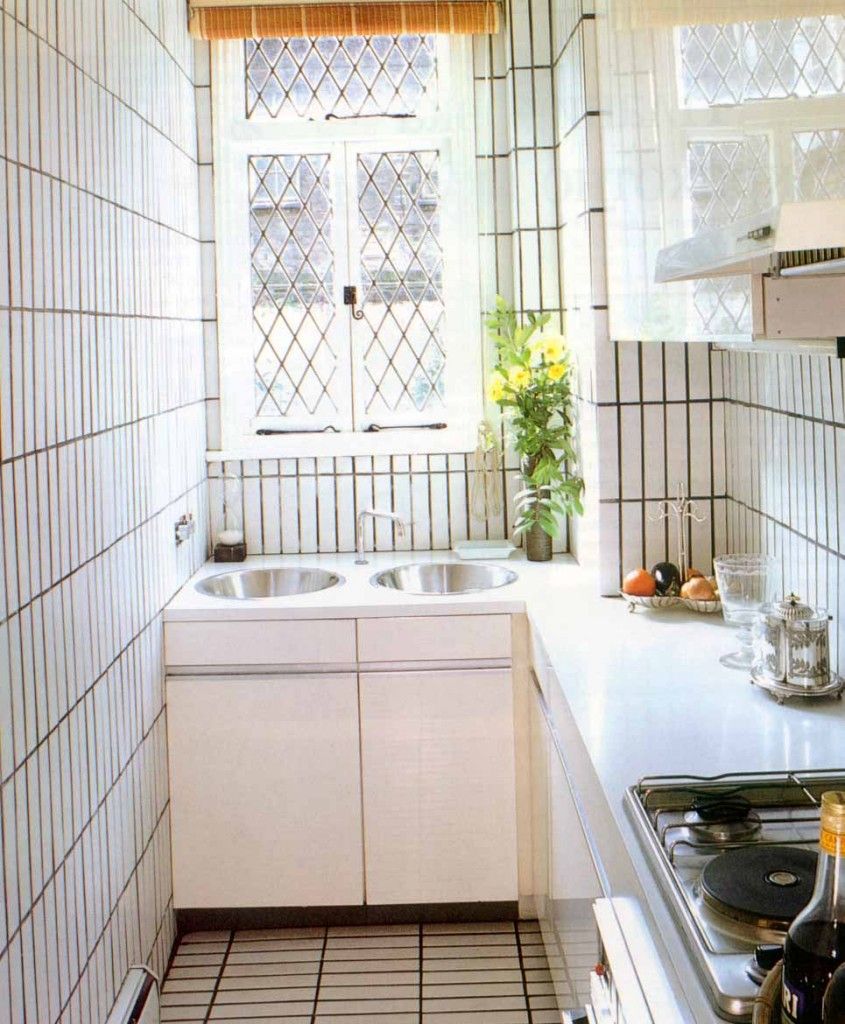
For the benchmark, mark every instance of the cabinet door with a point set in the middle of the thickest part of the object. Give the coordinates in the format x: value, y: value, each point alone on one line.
x: 572, y: 875
x: 540, y: 812
x: 439, y: 786
x: 265, y: 790
x: 565, y: 881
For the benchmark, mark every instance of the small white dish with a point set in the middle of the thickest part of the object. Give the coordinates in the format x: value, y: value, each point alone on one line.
x: 703, y: 607
x: 657, y: 601
x: 470, y: 549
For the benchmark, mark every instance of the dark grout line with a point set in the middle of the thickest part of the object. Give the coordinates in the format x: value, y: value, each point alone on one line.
x: 522, y: 972
x: 320, y: 974
x: 421, y: 975
x: 219, y: 978
x: 245, y: 1007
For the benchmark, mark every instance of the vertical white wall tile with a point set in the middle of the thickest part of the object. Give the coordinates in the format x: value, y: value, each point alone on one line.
x: 90, y: 236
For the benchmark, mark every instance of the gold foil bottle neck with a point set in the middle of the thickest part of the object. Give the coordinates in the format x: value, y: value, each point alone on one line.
x: 833, y: 812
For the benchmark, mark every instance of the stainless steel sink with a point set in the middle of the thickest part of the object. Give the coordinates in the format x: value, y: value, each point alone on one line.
x: 444, y: 577
x: 243, y: 584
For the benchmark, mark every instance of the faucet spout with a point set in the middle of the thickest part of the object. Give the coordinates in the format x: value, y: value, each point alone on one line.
x: 374, y: 513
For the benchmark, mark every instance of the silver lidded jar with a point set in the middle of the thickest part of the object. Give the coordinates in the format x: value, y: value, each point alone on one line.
x: 790, y: 643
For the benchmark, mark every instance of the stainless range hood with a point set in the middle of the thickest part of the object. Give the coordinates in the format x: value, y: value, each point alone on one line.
x: 795, y: 255
x: 791, y: 239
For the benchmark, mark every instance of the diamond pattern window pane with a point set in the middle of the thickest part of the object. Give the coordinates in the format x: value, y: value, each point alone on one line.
x: 818, y: 161
x: 355, y: 76
x: 402, y: 275
x: 755, y: 60
x: 727, y: 179
x: 290, y: 219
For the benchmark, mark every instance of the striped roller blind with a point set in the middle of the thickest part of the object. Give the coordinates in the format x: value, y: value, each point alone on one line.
x: 235, y: 19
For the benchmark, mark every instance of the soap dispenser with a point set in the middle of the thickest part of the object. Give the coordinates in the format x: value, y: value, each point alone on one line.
x: 230, y: 545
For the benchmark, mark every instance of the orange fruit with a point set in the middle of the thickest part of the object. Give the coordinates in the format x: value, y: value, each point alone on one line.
x: 698, y: 589
x: 639, y: 583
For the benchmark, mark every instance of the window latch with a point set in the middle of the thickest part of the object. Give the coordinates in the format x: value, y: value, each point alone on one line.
x: 375, y: 428
x: 270, y: 431
x: 350, y: 298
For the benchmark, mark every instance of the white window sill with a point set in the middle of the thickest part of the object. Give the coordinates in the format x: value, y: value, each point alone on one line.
x: 450, y: 441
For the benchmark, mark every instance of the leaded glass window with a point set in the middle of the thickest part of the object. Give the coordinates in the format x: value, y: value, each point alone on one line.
x: 761, y: 60
x: 818, y: 160
x: 348, y: 301
x: 745, y: 89
x: 290, y: 211
x: 351, y: 77
x: 728, y: 178
x: 402, y: 270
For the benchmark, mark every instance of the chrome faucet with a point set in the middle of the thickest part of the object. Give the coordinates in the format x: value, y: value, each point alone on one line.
x: 373, y: 513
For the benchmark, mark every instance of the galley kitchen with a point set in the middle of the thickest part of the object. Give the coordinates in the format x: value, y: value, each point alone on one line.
x: 422, y: 512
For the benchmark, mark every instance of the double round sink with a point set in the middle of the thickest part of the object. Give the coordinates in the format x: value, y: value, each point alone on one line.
x: 423, y: 578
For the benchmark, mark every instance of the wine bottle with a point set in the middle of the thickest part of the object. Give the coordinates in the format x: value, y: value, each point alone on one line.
x: 833, y: 1007
x: 815, y: 943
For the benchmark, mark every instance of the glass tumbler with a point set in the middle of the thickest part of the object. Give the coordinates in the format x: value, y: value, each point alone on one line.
x: 746, y: 583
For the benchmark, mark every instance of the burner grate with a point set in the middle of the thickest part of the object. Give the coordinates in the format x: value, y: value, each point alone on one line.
x: 773, y: 789
x: 675, y: 837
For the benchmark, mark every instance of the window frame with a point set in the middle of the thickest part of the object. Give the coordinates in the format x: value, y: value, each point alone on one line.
x: 776, y: 119
x: 235, y: 138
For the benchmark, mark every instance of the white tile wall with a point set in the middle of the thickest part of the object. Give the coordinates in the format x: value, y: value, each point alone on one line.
x: 295, y: 506
x: 785, y: 431
x: 102, y: 432
x: 302, y: 505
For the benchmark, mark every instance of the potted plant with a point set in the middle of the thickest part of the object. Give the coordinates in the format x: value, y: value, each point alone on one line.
x: 531, y: 385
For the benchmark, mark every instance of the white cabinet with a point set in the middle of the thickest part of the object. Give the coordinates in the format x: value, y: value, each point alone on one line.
x: 256, y: 643
x: 571, y: 872
x: 434, y: 638
x: 540, y: 745
x: 269, y: 756
x: 564, y: 879
x: 439, y: 786
x: 265, y: 790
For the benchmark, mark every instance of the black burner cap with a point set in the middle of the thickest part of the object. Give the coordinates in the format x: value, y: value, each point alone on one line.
x: 722, y: 808
x: 764, y: 885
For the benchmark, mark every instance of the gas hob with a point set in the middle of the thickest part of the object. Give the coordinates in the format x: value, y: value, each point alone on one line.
x: 736, y: 857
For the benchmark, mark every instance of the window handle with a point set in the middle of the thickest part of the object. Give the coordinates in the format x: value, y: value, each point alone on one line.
x: 360, y: 117
x: 270, y: 431
x: 374, y: 428
x: 350, y: 298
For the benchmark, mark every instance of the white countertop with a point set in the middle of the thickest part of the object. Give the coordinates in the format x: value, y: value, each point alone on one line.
x: 357, y: 597
x: 646, y: 690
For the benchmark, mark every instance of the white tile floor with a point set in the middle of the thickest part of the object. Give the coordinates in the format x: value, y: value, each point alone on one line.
x: 395, y: 974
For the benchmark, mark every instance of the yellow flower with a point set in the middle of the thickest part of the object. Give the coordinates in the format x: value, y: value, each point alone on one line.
x: 519, y: 377
x: 552, y: 348
x: 556, y: 371
x: 496, y: 388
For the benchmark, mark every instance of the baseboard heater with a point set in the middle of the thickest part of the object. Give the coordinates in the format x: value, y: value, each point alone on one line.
x: 137, y: 1001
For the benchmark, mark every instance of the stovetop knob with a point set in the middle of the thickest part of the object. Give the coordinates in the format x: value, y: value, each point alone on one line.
x: 767, y: 955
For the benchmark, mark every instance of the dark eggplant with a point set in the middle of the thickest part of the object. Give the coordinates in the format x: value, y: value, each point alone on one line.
x: 667, y: 578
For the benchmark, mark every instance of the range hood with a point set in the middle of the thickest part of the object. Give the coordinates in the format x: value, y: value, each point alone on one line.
x: 793, y: 239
